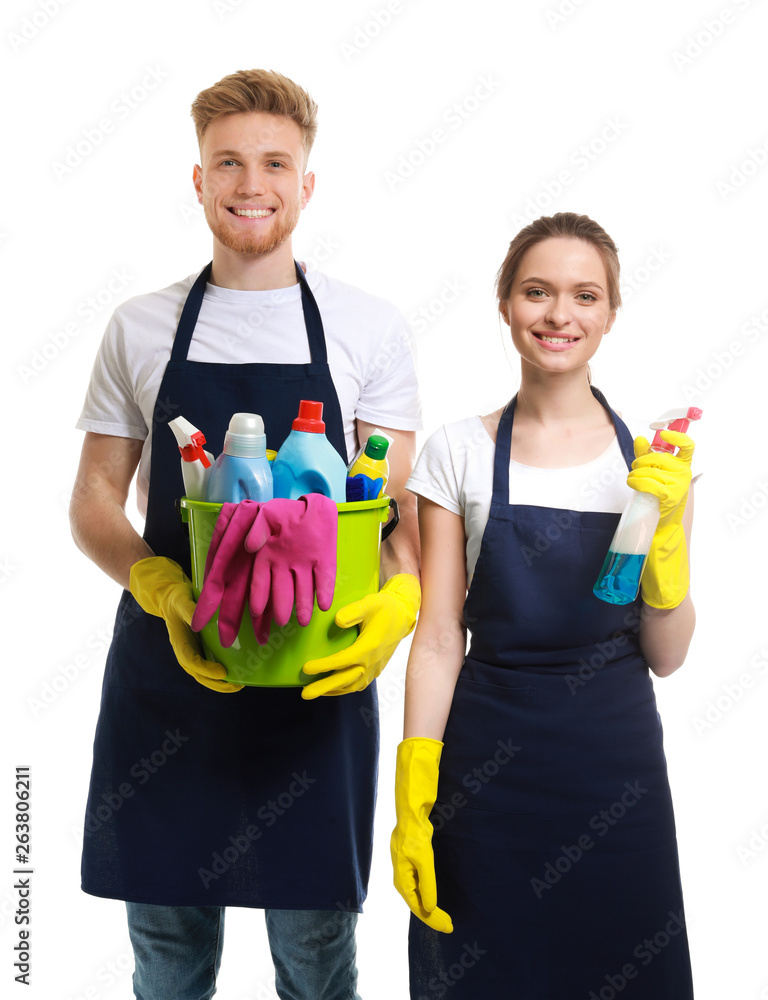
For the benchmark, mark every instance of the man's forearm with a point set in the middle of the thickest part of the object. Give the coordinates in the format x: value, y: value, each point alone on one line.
x: 400, y: 552
x: 102, y: 531
x: 97, y: 516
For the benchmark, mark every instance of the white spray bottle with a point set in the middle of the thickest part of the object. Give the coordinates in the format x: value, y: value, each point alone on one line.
x: 619, y: 579
x: 195, y: 462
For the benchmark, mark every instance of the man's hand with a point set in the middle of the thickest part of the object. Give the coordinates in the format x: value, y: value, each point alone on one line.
x: 384, y: 619
x: 161, y: 588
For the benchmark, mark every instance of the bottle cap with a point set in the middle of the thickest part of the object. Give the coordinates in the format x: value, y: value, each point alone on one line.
x: 377, y: 447
x: 310, y: 417
x: 190, y: 441
x: 245, y: 437
x: 673, y: 420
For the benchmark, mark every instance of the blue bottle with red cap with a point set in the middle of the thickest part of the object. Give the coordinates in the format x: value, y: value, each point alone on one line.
x: 307, y: 462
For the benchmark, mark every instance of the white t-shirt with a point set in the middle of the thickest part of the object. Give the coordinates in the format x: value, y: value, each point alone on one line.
x: 370, y: 354
x: 455, y: 470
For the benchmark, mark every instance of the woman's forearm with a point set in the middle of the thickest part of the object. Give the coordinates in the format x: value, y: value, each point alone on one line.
x: 440, y: 639
x: 437, y: 653
x: 665, y: 635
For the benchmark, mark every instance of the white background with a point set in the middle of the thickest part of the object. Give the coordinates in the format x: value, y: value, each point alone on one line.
x: 654, y: 111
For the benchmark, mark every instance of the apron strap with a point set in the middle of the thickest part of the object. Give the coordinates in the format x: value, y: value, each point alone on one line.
x: 504, y: 444
x: 622, y: 431
x: 188, y: 319
x: 312, y: 321
x: 502, y: 455
x: 189, y: 315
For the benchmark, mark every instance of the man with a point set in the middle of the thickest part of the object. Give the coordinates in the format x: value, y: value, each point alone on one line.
x: 205, y: 794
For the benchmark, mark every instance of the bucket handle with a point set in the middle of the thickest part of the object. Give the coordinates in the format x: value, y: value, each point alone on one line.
x: 390, y: 526
x: 183, y: 515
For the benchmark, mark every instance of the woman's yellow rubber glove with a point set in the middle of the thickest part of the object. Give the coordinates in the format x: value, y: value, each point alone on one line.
x: 665, y: 580
x: 161, y: 588
x: 411, y: 844
x: 384, y: 619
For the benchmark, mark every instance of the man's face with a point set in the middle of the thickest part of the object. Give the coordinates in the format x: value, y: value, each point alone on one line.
x: 252, y: 184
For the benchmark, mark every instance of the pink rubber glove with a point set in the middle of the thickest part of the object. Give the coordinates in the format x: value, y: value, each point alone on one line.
x: 294, y: 542
x: 228, y: 568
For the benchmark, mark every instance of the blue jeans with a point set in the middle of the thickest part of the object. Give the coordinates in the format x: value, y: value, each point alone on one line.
x: 178, y: 952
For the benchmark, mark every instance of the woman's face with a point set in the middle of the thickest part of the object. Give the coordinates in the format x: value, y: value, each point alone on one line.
x: 558, y: 309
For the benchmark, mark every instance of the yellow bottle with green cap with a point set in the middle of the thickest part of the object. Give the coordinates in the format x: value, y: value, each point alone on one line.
x: 372, y: 461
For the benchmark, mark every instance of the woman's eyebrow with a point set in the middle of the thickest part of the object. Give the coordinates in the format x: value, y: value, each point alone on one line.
x: 577, y: 284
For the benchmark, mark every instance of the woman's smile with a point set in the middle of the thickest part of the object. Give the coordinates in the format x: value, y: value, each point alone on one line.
x: 553, y: 341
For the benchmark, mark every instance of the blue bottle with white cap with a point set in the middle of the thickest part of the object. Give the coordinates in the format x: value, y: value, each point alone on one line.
x: 242, y: 471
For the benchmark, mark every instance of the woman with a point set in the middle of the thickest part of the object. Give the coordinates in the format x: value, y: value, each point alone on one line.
x: 537, y: 758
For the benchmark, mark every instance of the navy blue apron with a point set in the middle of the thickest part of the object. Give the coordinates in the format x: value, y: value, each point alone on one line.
x: 555, y: 845
x: 197, y: 798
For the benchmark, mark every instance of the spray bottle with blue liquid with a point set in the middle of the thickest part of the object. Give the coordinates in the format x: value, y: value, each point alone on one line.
x: 619, y: 579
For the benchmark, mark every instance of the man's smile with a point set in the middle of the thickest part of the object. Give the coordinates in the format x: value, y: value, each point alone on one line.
x: 251, y: 213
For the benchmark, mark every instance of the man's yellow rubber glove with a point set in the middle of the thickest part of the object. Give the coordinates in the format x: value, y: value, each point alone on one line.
x: 665, y: 580
x: 384, y: 619
x: 161, y: 588
x: 411, y: 843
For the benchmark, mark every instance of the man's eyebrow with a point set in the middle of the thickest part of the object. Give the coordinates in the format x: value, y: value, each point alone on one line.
x: 270, y: 154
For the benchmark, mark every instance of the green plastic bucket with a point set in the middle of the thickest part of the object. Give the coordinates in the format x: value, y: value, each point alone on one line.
x: 279, y: 663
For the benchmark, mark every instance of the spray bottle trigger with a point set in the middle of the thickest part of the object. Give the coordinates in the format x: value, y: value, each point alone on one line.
x: 198, y: 440
x: 673, y: 420
x: 190, y: 441
x: 680, y: 413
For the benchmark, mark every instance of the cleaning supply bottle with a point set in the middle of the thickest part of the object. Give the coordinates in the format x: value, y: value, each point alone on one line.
x: 619, y: 579
x: 362, y: 487
x: 307, y: 462
x: 373, y: 461
x: 195, y: 461
x: 242, y: 471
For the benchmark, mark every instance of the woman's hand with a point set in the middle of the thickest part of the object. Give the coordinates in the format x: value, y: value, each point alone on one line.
x: 411, y: 844
x: 665, y: 580
x: 437, y: 653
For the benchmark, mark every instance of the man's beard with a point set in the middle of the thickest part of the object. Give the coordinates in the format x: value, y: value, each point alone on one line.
x: 251, y: 244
